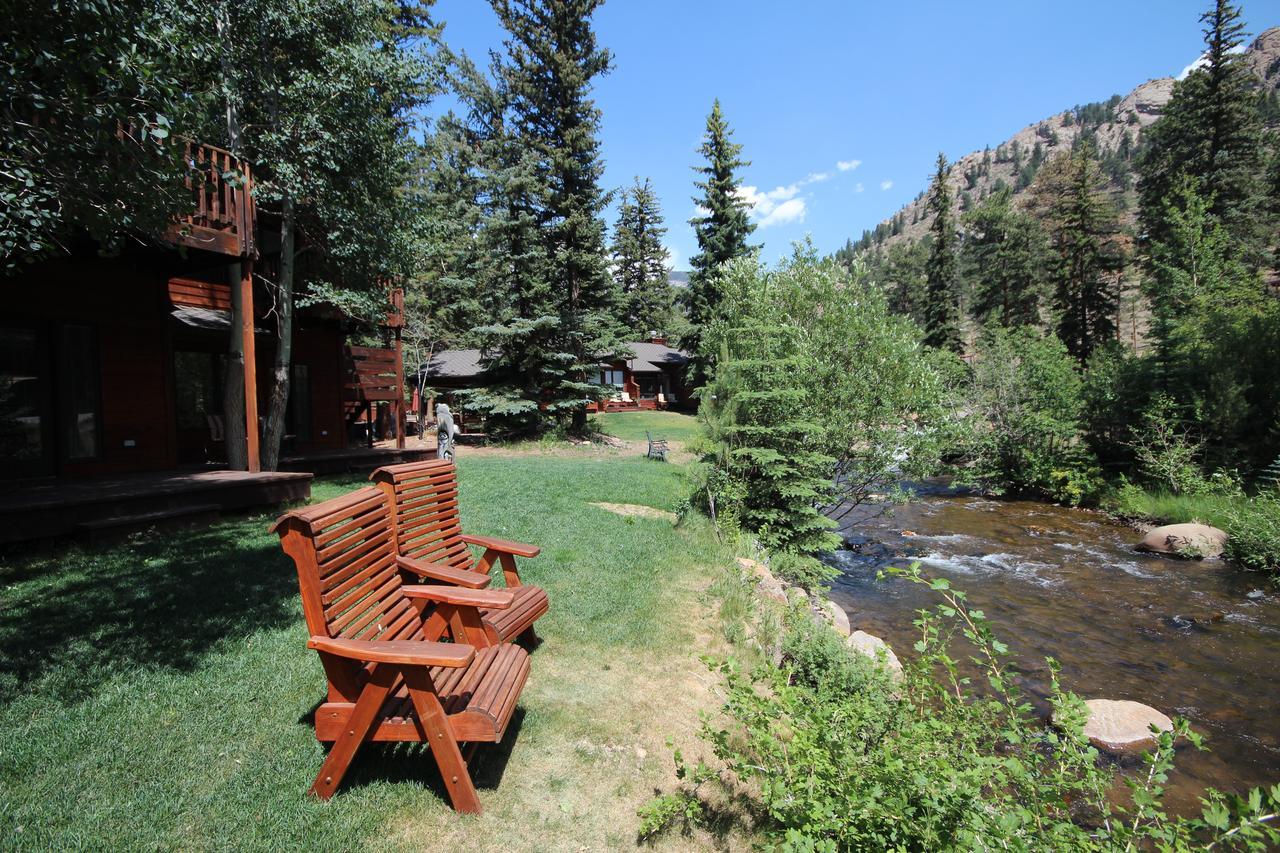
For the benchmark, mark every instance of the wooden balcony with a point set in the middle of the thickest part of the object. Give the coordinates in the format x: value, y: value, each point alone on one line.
x: 223, y: 217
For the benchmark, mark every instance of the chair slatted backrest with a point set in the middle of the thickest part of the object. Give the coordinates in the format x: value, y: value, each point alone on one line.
x: 425, y: 500
x: 344, y: 549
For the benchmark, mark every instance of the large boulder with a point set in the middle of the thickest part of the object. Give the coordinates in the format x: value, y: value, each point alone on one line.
x: 872, y: 646
x: 1123, y: 726
x: 834, y: 614
x: 1184, y: 540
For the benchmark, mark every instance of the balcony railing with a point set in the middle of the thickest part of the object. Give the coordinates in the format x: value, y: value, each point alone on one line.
x: 223, y: 218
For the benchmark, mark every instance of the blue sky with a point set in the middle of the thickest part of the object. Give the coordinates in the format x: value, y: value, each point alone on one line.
x: 843, y: 106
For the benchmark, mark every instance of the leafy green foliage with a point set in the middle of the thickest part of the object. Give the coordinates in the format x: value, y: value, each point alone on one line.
x: 825, y: 397
x: 836, y: 754
x: 1027, y: 401
x: 1253, y: 531
x: 94, y: 92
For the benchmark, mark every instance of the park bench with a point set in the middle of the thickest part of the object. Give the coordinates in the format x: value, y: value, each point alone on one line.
x: 432, y: 547
x: 390, y: 678
x: 657, y: 447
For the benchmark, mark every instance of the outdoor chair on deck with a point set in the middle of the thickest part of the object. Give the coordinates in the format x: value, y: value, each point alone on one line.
x: 390, y: 679
x: 433, y: 549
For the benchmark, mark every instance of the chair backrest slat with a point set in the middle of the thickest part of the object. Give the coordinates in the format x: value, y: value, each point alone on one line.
x: 424, y: 497
x: 345, y: 552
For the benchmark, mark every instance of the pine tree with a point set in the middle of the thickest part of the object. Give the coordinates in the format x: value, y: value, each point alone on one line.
x: 941, y: 312
x: 563, y: 305
x: 1004, y: 255
x: 640, y: 261
x: 1211, y: 131
x: 722, y: 231
x: 1087, y: 256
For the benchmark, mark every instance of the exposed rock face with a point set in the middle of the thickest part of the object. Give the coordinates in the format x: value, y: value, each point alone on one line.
x: 1120, y: 725
x: 871, y: 645
x: 1184, y: 540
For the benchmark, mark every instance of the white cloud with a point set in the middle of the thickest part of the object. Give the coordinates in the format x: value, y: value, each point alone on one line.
x: 848, y: 165
x: 1203, y: 60
x: 859, y: 188
x: 673, y: 258
x: 886, y: 185
x: 815, y: 177
x: 791, y: 210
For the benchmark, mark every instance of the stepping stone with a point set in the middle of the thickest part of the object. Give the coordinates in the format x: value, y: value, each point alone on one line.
x: 1123, y: 726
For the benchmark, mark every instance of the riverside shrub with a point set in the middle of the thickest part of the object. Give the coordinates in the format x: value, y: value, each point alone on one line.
x: 1253, y: 533
x: 833, y: 754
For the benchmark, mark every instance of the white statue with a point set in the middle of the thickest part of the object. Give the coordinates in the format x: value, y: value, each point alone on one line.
x: 446, y: 432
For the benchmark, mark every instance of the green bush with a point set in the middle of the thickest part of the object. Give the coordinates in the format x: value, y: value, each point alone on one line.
x: 1027, y: 401
x: 833, y: 754
x: 1253, y: 531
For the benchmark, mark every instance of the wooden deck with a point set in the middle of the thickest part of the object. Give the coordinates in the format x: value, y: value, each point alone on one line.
x: 48, y: 508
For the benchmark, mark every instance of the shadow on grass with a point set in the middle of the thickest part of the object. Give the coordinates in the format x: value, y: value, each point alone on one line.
x: 413, y: 762
x: 158, y: 600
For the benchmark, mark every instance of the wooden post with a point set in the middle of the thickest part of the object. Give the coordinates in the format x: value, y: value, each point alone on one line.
x: 250, y: 366
x: 399, y: 410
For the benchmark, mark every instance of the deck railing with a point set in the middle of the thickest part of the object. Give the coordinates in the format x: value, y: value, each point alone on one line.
x: 223, y: 218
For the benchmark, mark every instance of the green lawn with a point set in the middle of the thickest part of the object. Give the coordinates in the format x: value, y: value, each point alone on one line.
x: 157, y: 693
x: 631, y: 426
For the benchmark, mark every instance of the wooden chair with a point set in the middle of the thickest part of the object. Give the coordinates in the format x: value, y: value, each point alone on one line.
x: 431, y: 545
x: 657, y: 447
x: 390, y: 679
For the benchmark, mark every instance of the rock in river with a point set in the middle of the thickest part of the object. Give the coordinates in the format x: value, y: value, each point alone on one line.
x: 1120, y: 725
x: 870, y: 645
x: 1183, y: 540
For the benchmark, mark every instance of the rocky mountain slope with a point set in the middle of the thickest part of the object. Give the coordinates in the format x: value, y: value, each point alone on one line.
x: 1117, y: 126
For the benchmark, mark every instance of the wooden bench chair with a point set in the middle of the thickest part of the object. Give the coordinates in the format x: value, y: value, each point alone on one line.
x: 432, y: 547
x: 657, y: 447
x: 390, y: 679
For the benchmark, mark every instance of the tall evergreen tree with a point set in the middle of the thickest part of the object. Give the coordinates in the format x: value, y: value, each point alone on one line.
x: 560, y: 314
x: 1087, y: 255
x: 1004, y: 254
x: 640, y: 261
x: 722, y: 230
x: 1211, y: 131
x: 942, y: 273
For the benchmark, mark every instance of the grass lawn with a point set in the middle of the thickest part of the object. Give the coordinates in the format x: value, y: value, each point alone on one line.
x: 157, y: 693
x: 1166, y: 508
x: 630, y: 426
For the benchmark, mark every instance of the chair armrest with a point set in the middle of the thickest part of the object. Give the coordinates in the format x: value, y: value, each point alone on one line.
x: 443, y: 573
x: 506, y: 546
x: 498, y: 599
x: 412, y: 652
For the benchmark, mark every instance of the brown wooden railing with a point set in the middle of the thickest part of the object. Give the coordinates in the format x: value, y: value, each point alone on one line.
x: 224, y: 217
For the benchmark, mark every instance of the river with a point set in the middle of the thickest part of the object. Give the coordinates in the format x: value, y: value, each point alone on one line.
x: 1197, y: 639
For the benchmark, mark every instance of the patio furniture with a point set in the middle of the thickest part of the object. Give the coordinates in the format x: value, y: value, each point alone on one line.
x: 432, y: 547
x: 657, y: 447
x: 389, y: 677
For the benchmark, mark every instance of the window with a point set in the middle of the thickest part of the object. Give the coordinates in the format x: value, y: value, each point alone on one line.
x: 613, y: 377
x: 79, y: 418
x: 23, y: 390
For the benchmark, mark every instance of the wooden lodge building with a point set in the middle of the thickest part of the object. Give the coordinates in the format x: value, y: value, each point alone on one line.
x: 653, y: 378
x: 111, y: 373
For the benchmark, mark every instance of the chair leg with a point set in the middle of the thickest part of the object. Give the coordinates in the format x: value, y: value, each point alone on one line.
x: 357, y: 728
x: 444, y: 746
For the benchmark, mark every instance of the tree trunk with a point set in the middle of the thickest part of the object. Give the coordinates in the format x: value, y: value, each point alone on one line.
x: 277, y: 405
x: 233, y: 425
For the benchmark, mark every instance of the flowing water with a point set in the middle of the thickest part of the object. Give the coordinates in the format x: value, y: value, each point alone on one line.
x: 1198, y: 639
